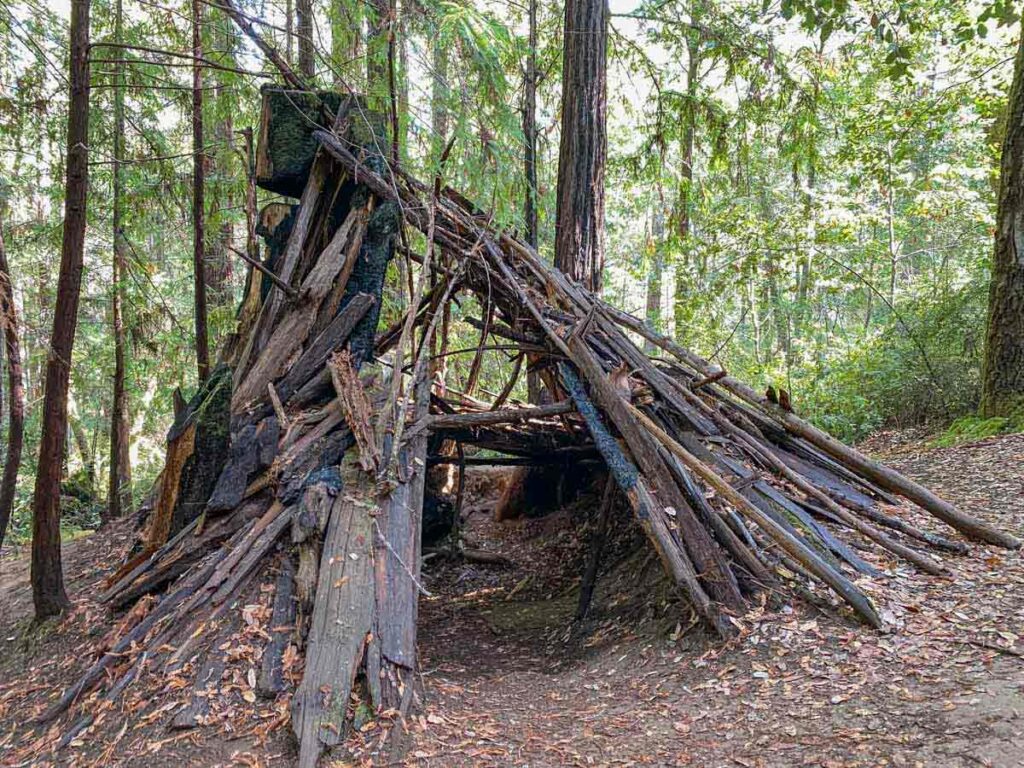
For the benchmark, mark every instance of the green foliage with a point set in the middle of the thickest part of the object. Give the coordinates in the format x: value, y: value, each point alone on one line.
x: 970, y: 428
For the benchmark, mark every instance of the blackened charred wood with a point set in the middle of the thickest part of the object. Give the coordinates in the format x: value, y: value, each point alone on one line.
x: 330, y: 340
x: 253, y: 449
x: 597, y: 542
x: 282, y: 628
x: 716, y: 576
x: 628, y: 478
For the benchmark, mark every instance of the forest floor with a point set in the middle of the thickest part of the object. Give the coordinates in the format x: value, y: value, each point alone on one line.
x: 510, y: 680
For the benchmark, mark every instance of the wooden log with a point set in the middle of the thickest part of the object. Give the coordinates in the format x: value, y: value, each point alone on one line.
x: 589, y: 579
x: 676, y: 561
x: 564, y: 458
x: 355, y: 406
x: 267, y: 320
x: 501, y: 416
x: 362, y: 208
x: 736, y: 547
x: 308, y: 374
x: 397, y: 544
x: 207, y: 681
x: 167, y: 608
x: 277, y: 282
x: 886, y: 477
x: 792, y: 545
x: 282, y: 629
x: 296, y: 321
x: 254, y: 556
x: 342, y: 619
x: 787, y: 466
x: 498, y: 329
x: 717, y: 578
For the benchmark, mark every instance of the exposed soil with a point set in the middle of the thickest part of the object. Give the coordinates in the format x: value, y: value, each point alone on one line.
x: 509, y: 679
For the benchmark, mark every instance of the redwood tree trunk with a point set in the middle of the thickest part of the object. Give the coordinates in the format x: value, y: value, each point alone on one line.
x: 304, y: 30
x: 47, y: 573
x: 533, y: 381
x: 1003, y: 372
x: 530, y: 130
x: 579, y: 226
x: 198, y: 202
x: 119, y: 489
x: 15, y: 391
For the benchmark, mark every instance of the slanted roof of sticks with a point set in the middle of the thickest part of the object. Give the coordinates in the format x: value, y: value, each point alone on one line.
x: 331, y: 418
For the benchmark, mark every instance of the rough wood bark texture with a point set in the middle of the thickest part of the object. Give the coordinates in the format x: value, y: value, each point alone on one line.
x: 1002, y: 390
x: 342, y: 618
x: 579, y: 224
x: 10, y: 343
x: 47, y: 570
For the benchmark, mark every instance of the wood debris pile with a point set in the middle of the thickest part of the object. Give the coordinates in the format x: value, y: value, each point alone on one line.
x: 325, y: 458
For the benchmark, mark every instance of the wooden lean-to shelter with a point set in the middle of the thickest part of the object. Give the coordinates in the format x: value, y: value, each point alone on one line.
x: 311, y: 442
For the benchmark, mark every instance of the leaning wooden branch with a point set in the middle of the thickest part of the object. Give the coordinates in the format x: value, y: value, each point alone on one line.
x: 355, y: 405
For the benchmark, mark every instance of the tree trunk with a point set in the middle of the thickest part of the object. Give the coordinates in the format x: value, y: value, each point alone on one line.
x: 85, y: 452
x: 119, y: 494
x: 198, y: 203
x: 579, y: 227
x: 890, y: 220
x: 304, y: 29
x: 530, y: 130
x: 15, y: 390
x: 534, y: 385
x: 47, y: 573
x: 377, y: 46
x: 654, y: 272
x: 1002, y: 391
x: 289, y: 34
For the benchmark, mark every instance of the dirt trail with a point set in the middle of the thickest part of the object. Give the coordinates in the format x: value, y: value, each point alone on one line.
x: 508, y: 682
x: 799, y: 687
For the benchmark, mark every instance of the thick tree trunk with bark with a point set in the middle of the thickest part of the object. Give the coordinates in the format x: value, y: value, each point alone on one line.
x: 47, y: 572
x: 11, y: 349
x: 304, y: 30
x: 530, y: 130
x: 119, y: 492
x: 579, y: 227
x: 198, y: 202
x: 1002, y: 392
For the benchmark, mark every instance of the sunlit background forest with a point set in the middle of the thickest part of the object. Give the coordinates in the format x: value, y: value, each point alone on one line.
x: 786, y: 193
